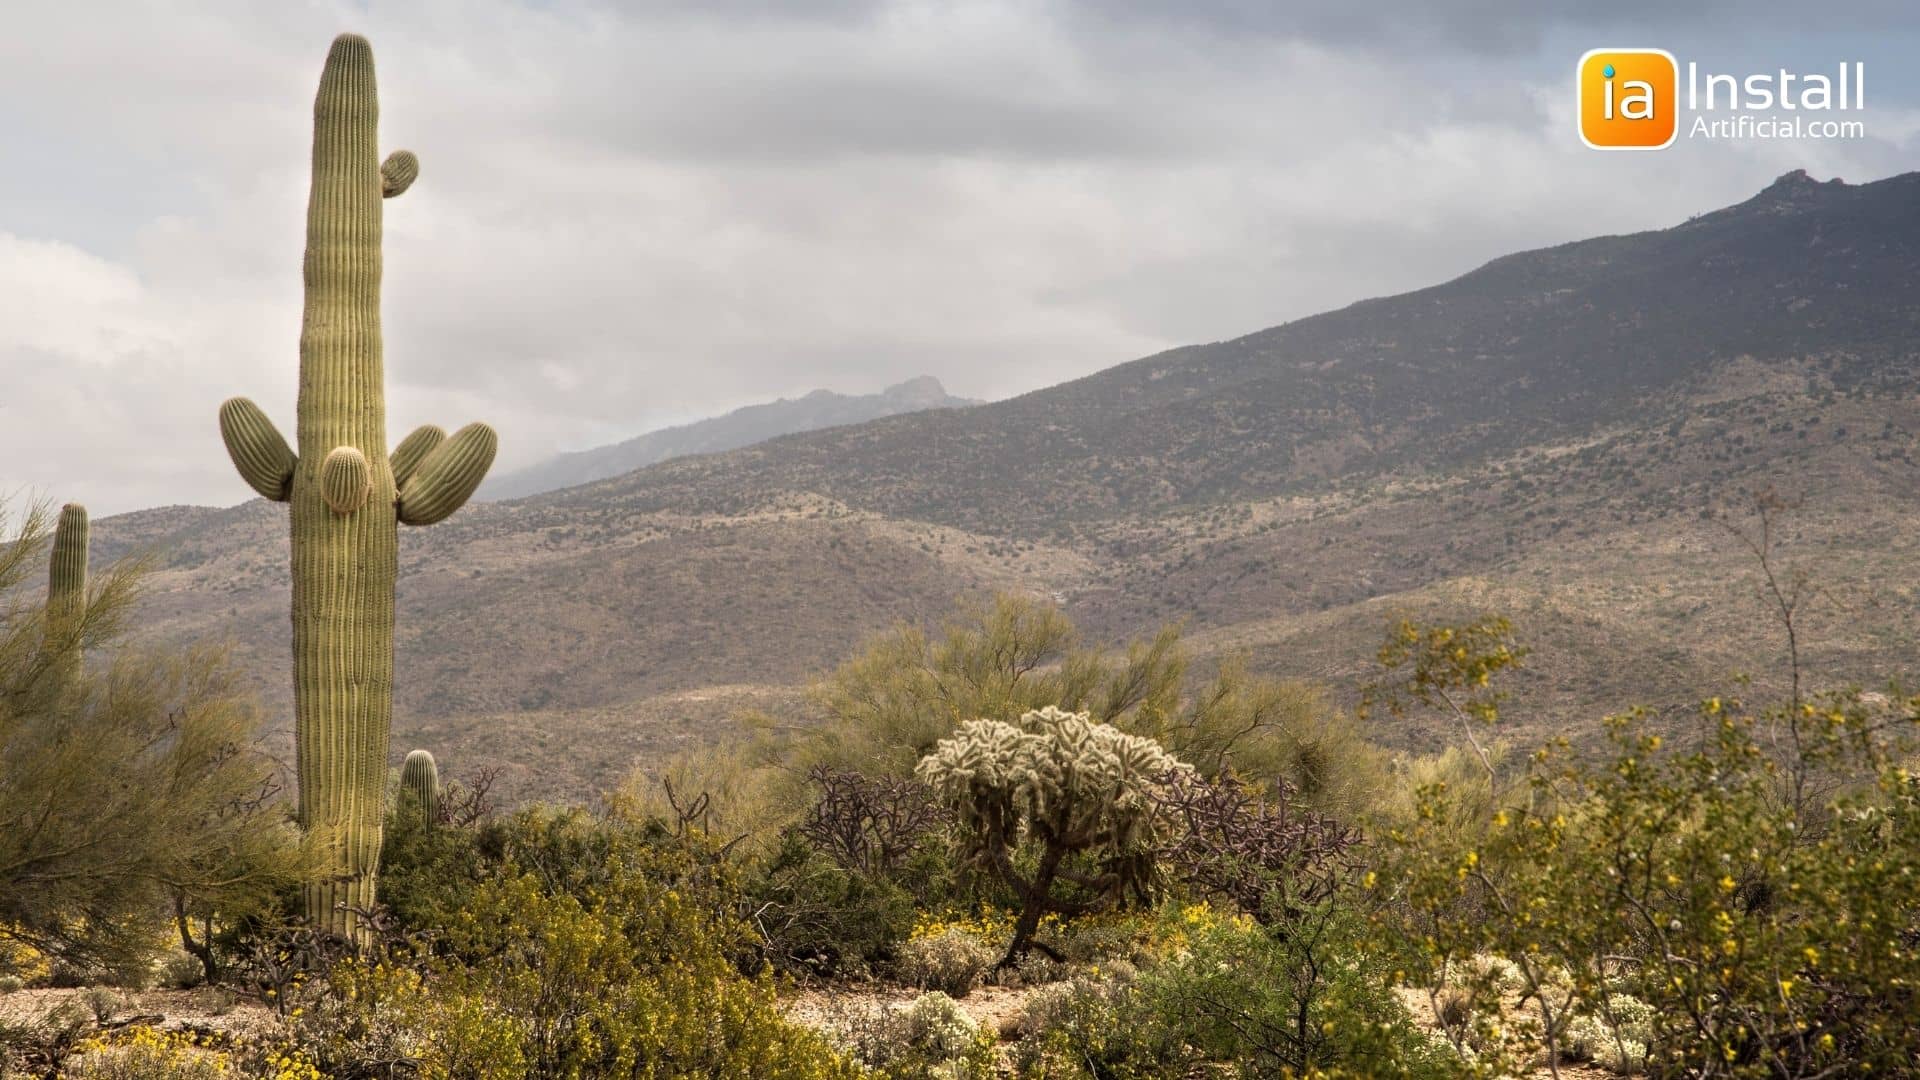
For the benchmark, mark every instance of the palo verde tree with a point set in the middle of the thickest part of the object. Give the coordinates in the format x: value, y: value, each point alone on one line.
x: 1083, y: 798
x: 132, y: 790
x: 347, y: 493
x: 1007, y: 654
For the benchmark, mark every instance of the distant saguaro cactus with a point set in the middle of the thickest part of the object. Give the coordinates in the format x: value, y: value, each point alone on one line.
x: 1069, y: 787
x: 67, y: 593
x: 420, y: 778
x: 347, y: 493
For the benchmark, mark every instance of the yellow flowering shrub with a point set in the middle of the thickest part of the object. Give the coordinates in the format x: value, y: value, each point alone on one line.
x: 1733, y: 900
x: 143, y: 1052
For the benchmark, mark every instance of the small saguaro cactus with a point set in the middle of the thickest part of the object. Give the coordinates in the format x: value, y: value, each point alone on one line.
x: 420, y: 780
x: 67, y: 593
x: 347, y: 493
x: 1067, y: 788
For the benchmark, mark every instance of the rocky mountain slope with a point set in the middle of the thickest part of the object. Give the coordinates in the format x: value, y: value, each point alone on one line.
x: 1565, y: 435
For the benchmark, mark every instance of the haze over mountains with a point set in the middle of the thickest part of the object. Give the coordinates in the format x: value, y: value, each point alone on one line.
x: 1550, y: 436
x: 741, y: 427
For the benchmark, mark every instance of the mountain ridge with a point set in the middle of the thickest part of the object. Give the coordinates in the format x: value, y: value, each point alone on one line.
x: 1566, y: 435
x: 740, y: 427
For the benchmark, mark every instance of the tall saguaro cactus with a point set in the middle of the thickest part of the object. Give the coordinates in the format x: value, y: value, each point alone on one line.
x: 67, y: 593
x: 347, y: 494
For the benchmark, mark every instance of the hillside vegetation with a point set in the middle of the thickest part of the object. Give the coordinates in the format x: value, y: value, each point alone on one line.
x: 1562, y: 435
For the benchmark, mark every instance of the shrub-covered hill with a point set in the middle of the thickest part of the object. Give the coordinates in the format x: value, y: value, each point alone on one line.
x: 1550, y: 435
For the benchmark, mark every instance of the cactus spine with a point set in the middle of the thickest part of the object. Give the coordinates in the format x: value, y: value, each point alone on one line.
x: 67, y: 594
x: 420, y: 777
x: 347, y: 495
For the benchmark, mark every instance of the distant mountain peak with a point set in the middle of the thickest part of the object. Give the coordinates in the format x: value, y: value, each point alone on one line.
x: 924, y: 389
x: 744, y: 426
x: 1795, y: 191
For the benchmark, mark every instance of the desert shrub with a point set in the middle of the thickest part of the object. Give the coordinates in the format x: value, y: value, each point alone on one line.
x: 817, y: 917
x: 1272, y: 733
x: 871, y: 824
x: 617, y: 956
x: 375, y: 1019
x: 1097, y: 1027
x: 133, y: 790
x: 144, y: 1053
x: 1274, y: 858
x: 927, y: 1038
x: 951, y: 959
x: 635, y: 975
x: 738, y: 794
x: 1011, y: 654
x: 1764, y: 935
x: 427, y: 874
x: 1282, y: 1003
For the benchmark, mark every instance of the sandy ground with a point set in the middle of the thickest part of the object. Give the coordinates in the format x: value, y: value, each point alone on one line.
x: 823, y: 1008
x: 192, y: 1010
x: 992, y: 1008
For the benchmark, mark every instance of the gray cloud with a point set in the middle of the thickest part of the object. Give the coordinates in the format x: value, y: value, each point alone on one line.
x: 630, y: 216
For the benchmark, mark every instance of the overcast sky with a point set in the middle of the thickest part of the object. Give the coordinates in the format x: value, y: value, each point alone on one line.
x: 632, y: 215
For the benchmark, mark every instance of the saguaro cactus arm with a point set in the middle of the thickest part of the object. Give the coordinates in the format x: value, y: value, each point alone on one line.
x: 257, y: 448
x: 345, y: 479
x: 414, y: 449
x: 448, y: 475
x: 398, y: 173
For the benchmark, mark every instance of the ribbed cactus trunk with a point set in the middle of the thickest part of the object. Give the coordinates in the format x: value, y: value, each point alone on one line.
x: 67, y: 595
x: 420, y: 779
x: 343, y: 564
x: 347, y: 495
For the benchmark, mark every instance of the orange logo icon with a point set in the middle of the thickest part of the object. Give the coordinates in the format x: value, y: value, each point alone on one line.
x: 1629, y: 99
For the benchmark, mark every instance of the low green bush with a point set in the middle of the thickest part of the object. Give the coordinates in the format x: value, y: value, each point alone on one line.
x: 818, y: 918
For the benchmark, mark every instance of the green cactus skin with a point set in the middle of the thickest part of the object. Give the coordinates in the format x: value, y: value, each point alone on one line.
x: 422, y: 777
x: 413, y: 450
x: 346, y: 493
x: 67, y: 593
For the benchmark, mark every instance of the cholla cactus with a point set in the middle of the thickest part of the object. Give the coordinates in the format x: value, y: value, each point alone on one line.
x: 347, y: 492
x: 1069, y: 787
x: 420, y: 778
